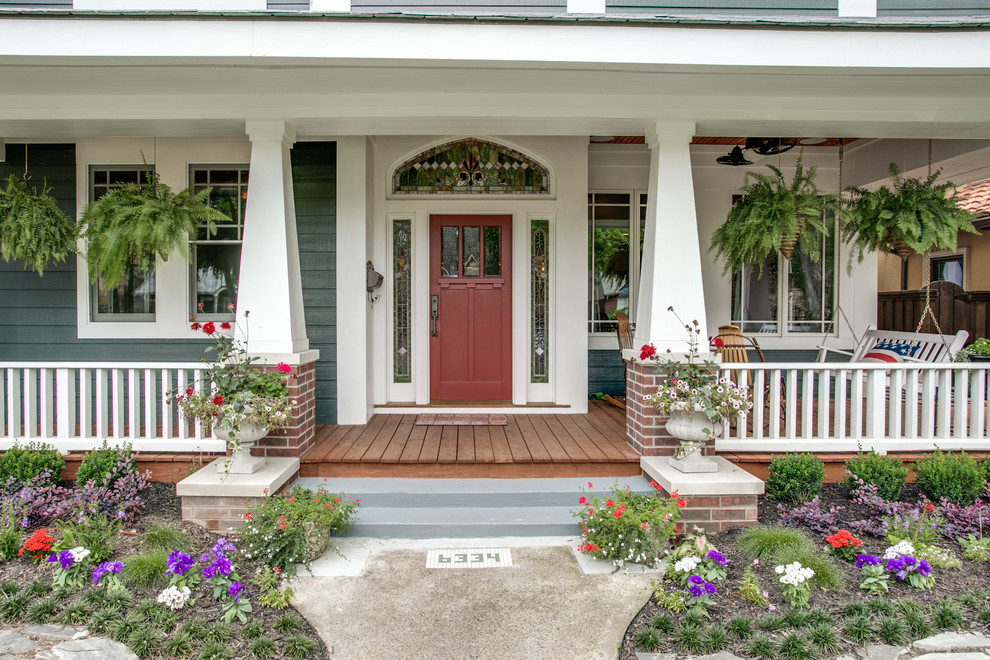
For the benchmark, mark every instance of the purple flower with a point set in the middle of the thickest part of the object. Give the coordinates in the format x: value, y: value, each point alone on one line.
x: 64, y: 558
x: 121, y: 515
x: 709, y: 588
x: 717, y: 557
x: 235, y: 589
x: 104, y: 568
x: 924, y: 570
x: 696, y: 591
x: 179, y: 563
x: 24, y: 523
x: 867, y: 560
x: 222, y: 546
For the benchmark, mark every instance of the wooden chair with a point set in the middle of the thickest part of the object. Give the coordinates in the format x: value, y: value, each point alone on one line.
x: 735, y: 348
x: 624, y: 332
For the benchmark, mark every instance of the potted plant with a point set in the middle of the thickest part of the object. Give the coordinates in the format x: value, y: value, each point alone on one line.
x: 133, y: 226
x: 773, y: 216
x: 979, y: 350
x: 32, y: 226
x: 696, y: 399
x: 915, y: 216
x: 241, y: 401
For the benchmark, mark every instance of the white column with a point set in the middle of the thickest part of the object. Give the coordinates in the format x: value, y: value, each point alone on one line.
x: 671, y: 269
x: 353, y: 358
x: 270, y: 283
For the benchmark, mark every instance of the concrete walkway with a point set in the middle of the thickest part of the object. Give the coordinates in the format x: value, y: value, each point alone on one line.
x: 383, y: 602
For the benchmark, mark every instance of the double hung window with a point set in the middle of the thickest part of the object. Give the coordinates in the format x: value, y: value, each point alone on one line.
x: 216, y: 259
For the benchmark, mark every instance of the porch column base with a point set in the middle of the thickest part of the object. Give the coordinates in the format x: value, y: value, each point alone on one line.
x: 296, y: 438
x: 714, y: 501
x: 218, y: 501
x: 645, y: 430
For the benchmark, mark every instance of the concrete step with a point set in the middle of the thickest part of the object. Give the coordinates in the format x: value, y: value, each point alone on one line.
x: 468, y: 508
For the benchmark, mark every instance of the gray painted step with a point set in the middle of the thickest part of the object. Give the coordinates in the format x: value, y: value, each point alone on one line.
x: 468, y: 508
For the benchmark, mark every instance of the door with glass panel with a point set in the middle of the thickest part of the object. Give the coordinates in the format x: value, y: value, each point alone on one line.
x: 470, y: 310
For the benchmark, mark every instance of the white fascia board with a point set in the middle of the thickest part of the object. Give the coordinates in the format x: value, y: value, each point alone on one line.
x: 169, y: 5
x: 353, y: 41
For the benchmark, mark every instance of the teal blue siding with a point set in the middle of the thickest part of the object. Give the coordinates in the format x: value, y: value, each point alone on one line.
x: 38, y: 314
x: 460, y: 8
x: 314, y: 182
x: 606, y: 372
x: 928, y: 8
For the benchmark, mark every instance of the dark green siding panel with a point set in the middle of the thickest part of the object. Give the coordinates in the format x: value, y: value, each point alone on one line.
x: 605, y: 372
x: 314, y: 185
x: 35, y: 4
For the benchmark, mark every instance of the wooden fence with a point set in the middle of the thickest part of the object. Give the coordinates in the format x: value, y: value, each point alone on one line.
x: 955, y: 309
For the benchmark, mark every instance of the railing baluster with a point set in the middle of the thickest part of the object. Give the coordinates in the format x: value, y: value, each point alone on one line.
x: 46, y: 402
x: 103, y: 405
x: 977, y: 407
x: 182, y: 381
x: 150, y: 405
x: 911, y: 395
x: 840, y: 403
x: 198, y: 387
x: 790, y: 405
x: 807, y: 404
x: 85, y: 403
x: 894, y: 403
x: 3, y: 403
x: 65, y: 402
x: 824, y: 401
x: 875, y: 394
x: 960, y: 396
x: 759, y: 401
x: 167, y: 433
x: 773, y: 416
x: 857, y: 402
x: 943, y: 407
x: 928, y: 395
x: 133, y: 404
x: 30, y: 403
x: 117, y: 402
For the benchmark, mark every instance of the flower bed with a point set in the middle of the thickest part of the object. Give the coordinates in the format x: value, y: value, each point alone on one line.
x: 861, y: 585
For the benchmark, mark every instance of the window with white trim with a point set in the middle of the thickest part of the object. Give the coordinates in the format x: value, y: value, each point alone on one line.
x: 788, y: 296
x: 134, y: 299
x: 216, y: 259
x: 615, y: 221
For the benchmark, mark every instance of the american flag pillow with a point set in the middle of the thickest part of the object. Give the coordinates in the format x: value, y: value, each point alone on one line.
x: 890, y: 351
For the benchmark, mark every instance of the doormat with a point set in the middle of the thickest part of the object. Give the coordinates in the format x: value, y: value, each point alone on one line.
x: 461, y: 419
x: 469, y: 558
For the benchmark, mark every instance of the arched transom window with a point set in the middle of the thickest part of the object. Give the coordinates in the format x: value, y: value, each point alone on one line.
x: 471, y: 166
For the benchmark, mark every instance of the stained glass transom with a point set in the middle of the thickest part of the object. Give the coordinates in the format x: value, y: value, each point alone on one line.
x: 471, y: 166
x: 402, y: 284
x: 540, y: 295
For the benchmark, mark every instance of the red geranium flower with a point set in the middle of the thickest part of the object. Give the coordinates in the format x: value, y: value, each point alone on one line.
x: 218, y: 400
x: 225, y: 326
x: 680, y: 504
x: 609, y: 503
x: 583, y: 500
x: 195, y: 326
x: 209, y: 328
x: 718, y: 342
x: 284, y: 368
x: 647, y: 351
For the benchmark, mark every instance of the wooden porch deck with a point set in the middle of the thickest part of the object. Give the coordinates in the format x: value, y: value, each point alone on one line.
x: 530, y: 445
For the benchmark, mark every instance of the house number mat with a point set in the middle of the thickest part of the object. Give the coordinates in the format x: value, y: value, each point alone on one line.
x: 469, y: 558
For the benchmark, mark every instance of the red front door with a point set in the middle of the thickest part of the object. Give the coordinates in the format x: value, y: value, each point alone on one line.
x: 470, y: 307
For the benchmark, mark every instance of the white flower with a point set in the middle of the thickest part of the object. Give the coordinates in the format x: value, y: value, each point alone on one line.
x: 173, y: 597
x: 687, y: 565
x: 78, y: 554
x: 905, y: 547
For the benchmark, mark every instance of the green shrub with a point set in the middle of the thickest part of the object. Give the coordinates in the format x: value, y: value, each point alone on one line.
x: 955, y: 477
x: 166, y: 537
x: 887, y: 472
x: 985, y: 470
x: 761, y: 646
x: 795, y: 478
x: 25, y: 463
x: 763, y: 543
x: 97, y: 465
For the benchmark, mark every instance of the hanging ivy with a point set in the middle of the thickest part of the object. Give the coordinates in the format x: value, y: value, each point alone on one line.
x: 772, y: 216
x: 134, y: 226
x: 915, y: 216
x: 32, y: 226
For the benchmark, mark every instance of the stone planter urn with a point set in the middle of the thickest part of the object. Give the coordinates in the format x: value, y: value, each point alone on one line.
x: 689, y: 426
x: 242, y: 462
x: 317, y: 538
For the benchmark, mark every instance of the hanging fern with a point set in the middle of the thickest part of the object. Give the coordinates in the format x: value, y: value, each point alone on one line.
x: 916, y: 215
x: 136, y: 225
x: 772, y: 213
x: 32, y: 226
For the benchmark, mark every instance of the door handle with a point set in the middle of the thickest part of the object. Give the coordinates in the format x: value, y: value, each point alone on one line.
x: 434, y: 313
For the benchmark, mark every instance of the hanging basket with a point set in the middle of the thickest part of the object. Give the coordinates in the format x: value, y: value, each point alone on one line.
x: 787, y: 244
x: 899, y: 247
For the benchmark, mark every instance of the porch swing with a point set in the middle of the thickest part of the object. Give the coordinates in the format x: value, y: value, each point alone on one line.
x: 887, y: 346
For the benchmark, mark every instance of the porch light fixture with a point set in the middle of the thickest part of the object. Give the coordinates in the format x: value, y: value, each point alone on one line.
x: 771, y: 146
x: 734, y: 157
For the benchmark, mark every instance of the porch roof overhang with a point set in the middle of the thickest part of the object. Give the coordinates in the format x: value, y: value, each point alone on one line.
x: 66, y: 78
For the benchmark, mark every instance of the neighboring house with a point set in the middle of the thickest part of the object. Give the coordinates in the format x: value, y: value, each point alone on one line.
x: 497, y: 162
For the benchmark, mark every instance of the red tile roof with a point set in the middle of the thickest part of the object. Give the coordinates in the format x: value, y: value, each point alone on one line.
x: 975, y: 197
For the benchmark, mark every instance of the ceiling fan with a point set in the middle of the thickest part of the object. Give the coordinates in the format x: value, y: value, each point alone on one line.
x: 761, y: 146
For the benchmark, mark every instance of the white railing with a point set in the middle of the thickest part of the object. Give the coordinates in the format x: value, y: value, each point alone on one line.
x: 78, y: 405
x: 840, y: 406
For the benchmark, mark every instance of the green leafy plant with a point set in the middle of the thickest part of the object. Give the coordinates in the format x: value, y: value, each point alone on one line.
x: 761, y: 646
x: 875, y: 578
x: 98, y: 465
x: 263, y: 648
x: 662, y: 623
x: 975, y: 549
x: 146, y: 570
x: 42, y: 611
x: 287, y: 623
x: 917, y: 215
x: 689, y: 638
x: 740, y: 627
x: 763, y: 542
x: 749, y: 589
x: 795, y: 478
x: 892, y: 631
x: 771, y: 621
x: 145, y: 641
x: 32, y: 226
x: 624, y: 526
x: 136, y: 225
x: 824, y: 638
x: 946, y: 615
x: 887, y: 472
x: 794, y: 646
x: 715, y: 639
x: 828, y: 574
x: 92, y: 530
x: 648, y: 639
x: 955, y: 477
x: 773, y: 216
x: 275, y: 533
x: 179, y: 645
x: 859, y: 629
x: 75, y: 613
x: 298, y: 647
x: 35, y: 460
x: 12, y: 522
x: 166, y: 537
x: 273, y: 592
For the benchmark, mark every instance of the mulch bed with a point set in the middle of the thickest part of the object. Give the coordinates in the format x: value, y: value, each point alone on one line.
x: 949, y: 583
x: 162, y: 506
